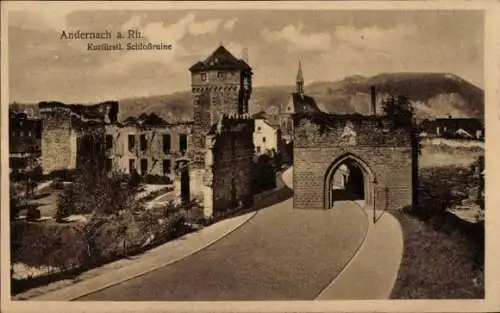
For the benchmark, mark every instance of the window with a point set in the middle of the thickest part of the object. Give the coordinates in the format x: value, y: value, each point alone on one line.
x: 167, y: 164
x: 131, y: 165
x: 143, y: 142
x: 258, y: 149
x: 109, y: 142
x: 144, y: 166
x: 21, y: 133
x: 109, y: 164
x: 182, y: 142
x: 258, y: 128
x: 131, y: 142
x: 29, y: 133
x: 166, y: 143
x: 263, y: 139
x: 221, y: 75
x: 203, y: 76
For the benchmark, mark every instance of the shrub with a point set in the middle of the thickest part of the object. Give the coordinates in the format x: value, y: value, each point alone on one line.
x: 33, y: 214
x: 441, y: 188
x: 264, y: 173
x: 135, y: 179
x: 102, y: 193
x: 47, y: 245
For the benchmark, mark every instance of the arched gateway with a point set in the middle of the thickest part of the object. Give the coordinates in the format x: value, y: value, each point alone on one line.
x: 348, y: 178
x: 353, y: 157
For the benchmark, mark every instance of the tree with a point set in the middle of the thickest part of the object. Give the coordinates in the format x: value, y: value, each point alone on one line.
x: 402, y: 114
x: 399, y: 108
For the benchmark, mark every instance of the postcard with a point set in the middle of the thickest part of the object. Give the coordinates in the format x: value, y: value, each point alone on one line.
x: 249, y: 156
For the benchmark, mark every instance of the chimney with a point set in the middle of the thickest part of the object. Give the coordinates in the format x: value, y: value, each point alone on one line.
x: 245, y: 55
x: 373, y: 101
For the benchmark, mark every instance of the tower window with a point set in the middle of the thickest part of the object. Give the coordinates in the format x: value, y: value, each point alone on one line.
x: 203, y: 76
x: 263, y: 139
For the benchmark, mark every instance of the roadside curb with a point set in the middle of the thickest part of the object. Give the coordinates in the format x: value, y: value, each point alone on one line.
x: 75, y: 291
x: 356, y: 253
x: 346, y: 285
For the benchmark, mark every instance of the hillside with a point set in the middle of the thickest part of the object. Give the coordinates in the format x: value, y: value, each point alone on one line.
x: 433, y: 94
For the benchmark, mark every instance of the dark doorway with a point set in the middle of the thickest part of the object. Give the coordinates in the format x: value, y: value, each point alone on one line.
x: 347, y: 181
x: 185, y: 184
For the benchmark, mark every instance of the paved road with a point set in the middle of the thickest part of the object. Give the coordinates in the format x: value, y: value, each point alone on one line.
x: 280, y: 254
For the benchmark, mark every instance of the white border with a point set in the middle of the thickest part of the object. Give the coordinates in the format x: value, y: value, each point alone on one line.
x: 492, y: 39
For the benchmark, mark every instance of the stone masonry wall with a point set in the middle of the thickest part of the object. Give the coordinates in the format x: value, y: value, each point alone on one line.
x: 387, y: 151
x: 231, y: 170
x: 57, y: 141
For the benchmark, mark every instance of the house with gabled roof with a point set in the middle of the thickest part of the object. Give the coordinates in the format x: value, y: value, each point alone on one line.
x: 267, y: 135
x: 453, y: 128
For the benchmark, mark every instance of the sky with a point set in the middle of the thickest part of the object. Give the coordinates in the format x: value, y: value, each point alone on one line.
x: 331, y: 45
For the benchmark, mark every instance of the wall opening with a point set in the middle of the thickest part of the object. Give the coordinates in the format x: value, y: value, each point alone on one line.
x: 185, y: 190
x: 348, y: 179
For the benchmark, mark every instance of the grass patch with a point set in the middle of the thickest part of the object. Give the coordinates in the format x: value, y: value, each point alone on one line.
x: 442, y: 259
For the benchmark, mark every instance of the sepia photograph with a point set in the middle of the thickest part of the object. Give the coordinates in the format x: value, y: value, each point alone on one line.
x: 210, y: 154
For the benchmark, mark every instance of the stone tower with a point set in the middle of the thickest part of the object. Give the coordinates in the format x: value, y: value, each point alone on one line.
x: 220, y: 85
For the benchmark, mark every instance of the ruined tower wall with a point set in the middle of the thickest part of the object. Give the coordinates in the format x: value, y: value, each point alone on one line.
x: 229, y: 166
x: 59, y: 141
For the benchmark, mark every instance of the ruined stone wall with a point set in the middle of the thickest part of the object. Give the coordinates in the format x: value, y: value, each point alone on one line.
x: 154, y: 153
x: 387, y: 151
x: 229, y: 164
x: 58, y: 140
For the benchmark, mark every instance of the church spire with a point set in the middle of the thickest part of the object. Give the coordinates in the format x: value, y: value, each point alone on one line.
x: 300, y: 80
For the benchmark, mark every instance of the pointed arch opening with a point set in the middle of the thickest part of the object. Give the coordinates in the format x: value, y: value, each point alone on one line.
x: 349, y: 178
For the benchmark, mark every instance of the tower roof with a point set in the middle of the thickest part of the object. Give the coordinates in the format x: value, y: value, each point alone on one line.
x: 220, y: 59
x: 300, y: 77
x: 304, y: 104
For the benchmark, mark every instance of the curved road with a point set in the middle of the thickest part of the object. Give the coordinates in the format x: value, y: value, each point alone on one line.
x: 279, y: 254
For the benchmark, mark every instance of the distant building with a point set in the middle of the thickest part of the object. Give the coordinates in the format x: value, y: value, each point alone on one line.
x: 298, y: 103
x: 267, y: 136
x: 450, y: 127
x: 25, y: 134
